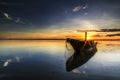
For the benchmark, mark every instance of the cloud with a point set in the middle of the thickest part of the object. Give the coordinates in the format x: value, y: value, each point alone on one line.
x: 12, y: 18
x: 111, y: 35
x: 86, y: 13
x: 84, y: 7
x: 19, y: 20
x: 87, y: 30
x: 101, y: 30
x: 97, y: 35
x: 77, y: 8
x: 109, y: 30
x: 6, y: 15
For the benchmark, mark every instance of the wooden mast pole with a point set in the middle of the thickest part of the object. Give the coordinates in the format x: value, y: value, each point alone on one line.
x: 85, y: 36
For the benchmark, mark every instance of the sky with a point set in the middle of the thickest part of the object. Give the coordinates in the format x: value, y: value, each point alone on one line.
x: 58, y: 18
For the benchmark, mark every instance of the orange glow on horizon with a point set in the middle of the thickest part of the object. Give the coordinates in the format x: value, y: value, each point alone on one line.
x: 89, y: 36
x: 57, y: 35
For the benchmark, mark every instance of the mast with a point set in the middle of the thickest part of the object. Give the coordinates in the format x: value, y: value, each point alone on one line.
x: 85, y: 36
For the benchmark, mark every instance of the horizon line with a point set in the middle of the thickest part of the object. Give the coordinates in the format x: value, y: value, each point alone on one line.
x: 61, y: 39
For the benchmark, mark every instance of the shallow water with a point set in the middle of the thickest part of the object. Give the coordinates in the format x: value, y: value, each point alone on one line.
x: 45, y: 60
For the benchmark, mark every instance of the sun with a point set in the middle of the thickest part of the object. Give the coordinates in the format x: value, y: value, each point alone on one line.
x: 88, y: 38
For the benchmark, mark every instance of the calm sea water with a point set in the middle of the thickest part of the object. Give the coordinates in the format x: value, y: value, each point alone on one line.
x: 45, y: 60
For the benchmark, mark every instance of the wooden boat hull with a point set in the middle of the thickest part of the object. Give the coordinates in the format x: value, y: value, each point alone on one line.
x: 83, y: 51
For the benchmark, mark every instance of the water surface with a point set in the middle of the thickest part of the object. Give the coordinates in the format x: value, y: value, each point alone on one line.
x: 45, y: 60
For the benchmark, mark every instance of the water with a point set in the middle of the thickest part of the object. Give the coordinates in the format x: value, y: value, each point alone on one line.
x: 45, y: 60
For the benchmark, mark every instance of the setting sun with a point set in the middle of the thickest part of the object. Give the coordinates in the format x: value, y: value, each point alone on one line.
x: 89, y: 38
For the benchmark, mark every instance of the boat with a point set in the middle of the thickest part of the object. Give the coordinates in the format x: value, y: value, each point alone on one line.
x: 84, y: 50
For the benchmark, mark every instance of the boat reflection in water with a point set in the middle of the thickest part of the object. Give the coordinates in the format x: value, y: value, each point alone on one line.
x: 83, y: 51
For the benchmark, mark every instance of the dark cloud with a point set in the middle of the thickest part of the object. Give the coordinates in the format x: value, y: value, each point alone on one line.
x: 87, y: 30
x: 97, y: 35
x: 111, y: 35
x: 101, y: 30
x: 109, y: 30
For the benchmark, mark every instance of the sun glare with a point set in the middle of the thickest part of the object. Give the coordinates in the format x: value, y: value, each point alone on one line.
x: 88, y: 38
